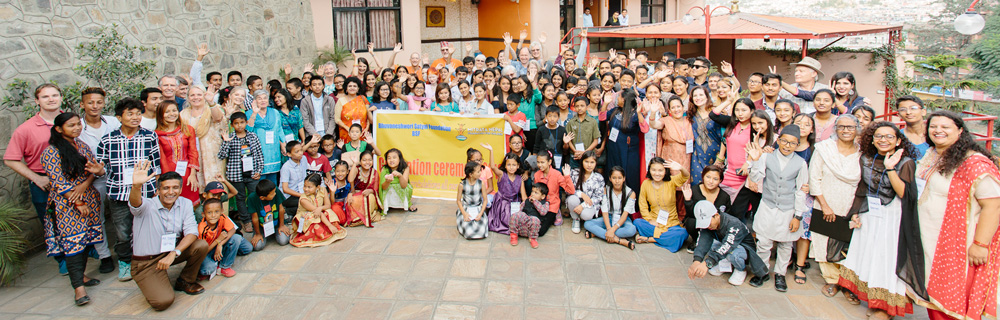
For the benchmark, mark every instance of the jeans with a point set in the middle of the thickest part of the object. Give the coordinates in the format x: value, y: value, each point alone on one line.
x: 121, y: 216
x: 291, y: 205
x: 273, y: 176
x: 235, y: 246
x: 102, y: 247
x: 738, y: 257
x: 572, y: 202
x: 243, y: 189
x: 596, y: 227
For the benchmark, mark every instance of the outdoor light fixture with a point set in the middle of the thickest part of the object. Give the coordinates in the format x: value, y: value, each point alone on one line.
x: 688, y: 18
x: 970, y: 22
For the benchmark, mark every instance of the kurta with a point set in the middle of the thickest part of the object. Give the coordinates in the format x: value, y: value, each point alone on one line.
x: 354, y: 111
x: 835, y: 177
x: 508, y: 191
x: 651, y: 138
x: 209, y: 135
x: 674, y: 137
x: 180, y: 145
x: 771, y: 222
x: 623, y: 147
x: 67, y: 231
x: 268, y: 130
x: 736, y: 156
x: 291, y: 123
x: 707, y: 144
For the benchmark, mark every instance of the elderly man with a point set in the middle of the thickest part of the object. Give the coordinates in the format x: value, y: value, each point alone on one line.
x: 168, y: 87
x: 165, y: 234
x: 807, y: 76
x: 415, y: 67
x: 446, y: 61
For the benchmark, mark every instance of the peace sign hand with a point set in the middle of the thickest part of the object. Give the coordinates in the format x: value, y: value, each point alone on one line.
x: 772, y: 69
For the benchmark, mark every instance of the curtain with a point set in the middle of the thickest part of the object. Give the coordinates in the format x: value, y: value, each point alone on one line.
x: 384, y: 28
x: 351, y: 29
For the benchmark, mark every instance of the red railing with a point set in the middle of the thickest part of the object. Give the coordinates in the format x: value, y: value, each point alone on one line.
x: 968, y: 116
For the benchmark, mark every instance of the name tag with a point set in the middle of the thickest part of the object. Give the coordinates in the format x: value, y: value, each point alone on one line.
x: 874, y: 207
x: 921, y: 184
x: 515, y: 207
x: 689, y: 146
x: 289, y: 137
x: 181, y: 167
x: 579, y: 146
x: 268, y: 225
x: 168, y: 242
x: 473, y: 212
x: 127, y: 176
x: 613, y: 135
x: 558, y: 159
x: 663, y: 217
x: 247, y: 164
x: 269, y: 137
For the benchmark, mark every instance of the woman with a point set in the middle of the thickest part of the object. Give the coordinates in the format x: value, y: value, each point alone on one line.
x: 352, y: 108
x: 370, y: 80
x: 833, y: 179
x: 953, y: 272
x: 726, y: 94
x: 711, y: 177
x: 884, y: 194
x: 265, y: 122
x: 382, y: 98
x: 210, y: 124
x: 75, y: 222
x: 824, y: 118
x: 652, y: 109
x: 624, y: 127
x: 681, y: 89
x: 865, y: 115
x: 676, y: 134
x: 291, y: 118
x: 847, y: 99
x: 738, y: 135
x: 707, y: 132
x: 178, y: 149
x: 659, y: 222
x: 532, y: 98
x: 499, y: 95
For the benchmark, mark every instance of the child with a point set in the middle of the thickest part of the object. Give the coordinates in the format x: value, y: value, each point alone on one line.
x: 486, y: 175
x: 529, y: 220
x: 615, y: 226
x: 722, y: 237
x: 328, y: 147
x: 394, y: 183
x: 784, y: 110
x: 552, y: 137
x: 352, y: 150
x: 585, y: 132
x: 589, y: 194
x: 565, y: 113
x: 515, y: 120
x: 317, y: 162
x: 219, y: 189
x: 470, y: 216
x: 340, y: 188
x: 245, y: 164
x: 553, y: 180
x: 224, y: 243
x: 660, y: 223
x: 443, y: 103
x: 510, y: 193
x: 293, y: 175
x: 777, y: 176
x: 266, y: 204
x: 364, y: 200
x: 316, y: 224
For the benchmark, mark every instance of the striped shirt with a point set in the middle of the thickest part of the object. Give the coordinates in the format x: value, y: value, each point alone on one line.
x: 120, y: 153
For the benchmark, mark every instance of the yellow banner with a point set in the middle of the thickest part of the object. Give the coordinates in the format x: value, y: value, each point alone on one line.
x: 434, y: 145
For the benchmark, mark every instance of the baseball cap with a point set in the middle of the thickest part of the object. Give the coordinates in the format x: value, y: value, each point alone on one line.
x: 215, y: 187
x: 703, y: 213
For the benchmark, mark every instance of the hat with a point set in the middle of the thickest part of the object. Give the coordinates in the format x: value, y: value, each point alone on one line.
x: 215, y: 187
x: 703, y: 213
x: 445, y: 44
x: 792, y: 130
x: 811, y: 63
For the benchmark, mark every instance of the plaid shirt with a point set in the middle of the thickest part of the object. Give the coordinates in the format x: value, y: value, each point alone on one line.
x: 118, y: 153
x: 235, y: 149
x: 248, y: 102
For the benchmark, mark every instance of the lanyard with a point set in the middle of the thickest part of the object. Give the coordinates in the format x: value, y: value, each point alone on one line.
x: 879, y: 185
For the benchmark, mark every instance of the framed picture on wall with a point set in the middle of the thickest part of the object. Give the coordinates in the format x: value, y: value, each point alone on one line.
x: 435, y: 17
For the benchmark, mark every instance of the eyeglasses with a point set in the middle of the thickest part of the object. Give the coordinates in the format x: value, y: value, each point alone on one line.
x: 788, y: 143
x: 887, y: 137
x: 753, y: 82
x: 844, y: 128
x: 910, y: 109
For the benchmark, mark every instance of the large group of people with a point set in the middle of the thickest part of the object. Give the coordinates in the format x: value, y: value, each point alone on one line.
x: 679, y: 153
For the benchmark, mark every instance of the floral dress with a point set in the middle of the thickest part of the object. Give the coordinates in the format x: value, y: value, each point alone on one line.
x: 68, y: 232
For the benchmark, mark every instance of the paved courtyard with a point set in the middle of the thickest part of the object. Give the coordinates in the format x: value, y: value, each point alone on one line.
x: 414, y: 266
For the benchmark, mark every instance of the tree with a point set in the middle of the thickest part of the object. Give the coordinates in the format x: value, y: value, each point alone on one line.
x: 114, y: 65
x: 987, y: 51
x: 938, y: 35
x: 943, y: 71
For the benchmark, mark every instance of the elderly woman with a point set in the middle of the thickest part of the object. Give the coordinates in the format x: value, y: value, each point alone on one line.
x: 209, y: 123
x: 75, y: 224
x: 265, y: 123
x: 833, y: 178
x: 952, y: 251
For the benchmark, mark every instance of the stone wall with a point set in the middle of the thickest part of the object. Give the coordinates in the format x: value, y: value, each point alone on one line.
x: 38, y: 40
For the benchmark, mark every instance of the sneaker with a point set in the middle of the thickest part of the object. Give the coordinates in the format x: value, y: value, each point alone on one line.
x: 759, y: 281
x: 124, y: 271
x: 576, y: 226
x: 107, y: 265
x: 227, y: 272
x: 779, y: 283
x: 715, y: 271
x: 513, y: 239
x: 690, y: 247
x: 737, y: 278
x: 558, y: 220
x: 534, y: 243
x: 62, y: 268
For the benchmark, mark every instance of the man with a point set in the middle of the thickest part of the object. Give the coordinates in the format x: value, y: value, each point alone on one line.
x: 681, y: 68
x: 446, y: 61
x: 623, y: 18
x: 415, y: 66
x: 713, y: 80
x: 119, y: 151
x: 699, y: 72
x: 151, y: 98
x: 911, y: 109
x: 165, y: 234
x: 29, y: 140
x: 95, y: 127
x: 755, y: 86
x: 168, y: 87
x: 254, y: 83
x: 643, y: 58
x: 523, y: 58
x: 318, y: 111
x: 771, y: 89
x: 569, y: 59
x: 234, y: 79
x: 182, y: 87
x: 807, y: 76
x: 294, y: 87
x: 722, y: 237
x: 588, y: 20
x: 214, y: 79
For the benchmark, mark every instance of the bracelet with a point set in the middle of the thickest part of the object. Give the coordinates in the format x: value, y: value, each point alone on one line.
x: 890, y: 170
x: 976, y: 242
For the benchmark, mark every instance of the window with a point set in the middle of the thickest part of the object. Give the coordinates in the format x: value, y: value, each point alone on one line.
x: 358, y: 22
x: 567, y: 15
x: 653, y: 11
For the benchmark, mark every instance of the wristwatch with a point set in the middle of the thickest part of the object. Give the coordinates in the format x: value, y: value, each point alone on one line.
x: 178, y: 252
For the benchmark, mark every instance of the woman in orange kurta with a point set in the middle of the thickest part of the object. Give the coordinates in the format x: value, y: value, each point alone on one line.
x: 352, y: 108
x: 675, y: 134
x: 178, y: 148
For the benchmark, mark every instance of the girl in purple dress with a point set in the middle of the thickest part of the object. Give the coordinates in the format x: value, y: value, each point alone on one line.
x: 510, y: 191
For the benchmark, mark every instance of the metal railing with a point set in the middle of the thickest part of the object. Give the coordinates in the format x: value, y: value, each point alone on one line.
x: 967, y: 116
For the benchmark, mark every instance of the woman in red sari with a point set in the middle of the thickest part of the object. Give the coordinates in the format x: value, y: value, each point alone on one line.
x: 178, y: 148
x: 352, y: 108
x: 951, y: 253
x: 363, y: 200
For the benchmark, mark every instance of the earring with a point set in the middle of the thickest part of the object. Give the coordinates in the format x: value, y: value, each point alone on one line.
x: 850, y: 93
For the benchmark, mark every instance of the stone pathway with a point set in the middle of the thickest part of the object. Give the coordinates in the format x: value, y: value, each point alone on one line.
x: 414, y: 266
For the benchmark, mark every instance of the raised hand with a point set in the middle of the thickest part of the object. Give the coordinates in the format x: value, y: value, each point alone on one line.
x: 583, y: 33
x: 397, y: 48
x: 371, y: 48
x: 892, y: 158
x: 568, y: 138
x: 468, y: 47
x: 686, y: 190
x: 523, y: 34
x: 226, y: 137
x: 487, y: 146
x: 94, y: 167
x: 542, y: 37
x: 674, y: 165
x: 425, y: 59
x: 202, y: 51
x: 631, y: 54
x: 308, y: 68
x: 726, y: 68
x: 612, y: 54
x: 753, y: 151
x: 288, y: 69
x: 141, y: 172
x: 507, y: 39
x: 772, y: 69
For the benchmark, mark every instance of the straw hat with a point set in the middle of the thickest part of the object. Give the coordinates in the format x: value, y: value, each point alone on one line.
x: 811, y: 63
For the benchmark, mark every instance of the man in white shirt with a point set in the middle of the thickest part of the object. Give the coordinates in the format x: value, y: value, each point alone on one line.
x: 96, y: 126
x: 588, y: 20
x: 151, y: 98
x: 623, y: 18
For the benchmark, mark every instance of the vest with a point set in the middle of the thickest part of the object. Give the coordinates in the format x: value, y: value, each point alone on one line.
x: 778, y: 190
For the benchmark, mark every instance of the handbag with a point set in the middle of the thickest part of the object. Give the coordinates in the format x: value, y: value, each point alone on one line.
x: 839, y: 229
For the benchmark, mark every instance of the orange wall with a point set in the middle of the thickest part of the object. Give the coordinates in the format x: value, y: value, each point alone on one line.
x: 497, y: 17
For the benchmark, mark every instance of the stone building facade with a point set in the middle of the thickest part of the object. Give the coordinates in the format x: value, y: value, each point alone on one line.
x: 38, y: 40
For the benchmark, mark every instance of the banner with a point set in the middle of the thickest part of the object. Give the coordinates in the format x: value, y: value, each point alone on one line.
x: 434, y: 145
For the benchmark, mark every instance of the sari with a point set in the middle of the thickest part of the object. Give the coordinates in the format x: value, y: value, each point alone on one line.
x: 354, y: 111
x: 361, y: 205
x: 311, y: 232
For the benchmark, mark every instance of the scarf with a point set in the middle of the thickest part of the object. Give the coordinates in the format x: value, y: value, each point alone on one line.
x: 845, y: 168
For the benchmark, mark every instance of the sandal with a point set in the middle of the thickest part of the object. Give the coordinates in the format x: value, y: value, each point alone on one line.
x: 800, y: 279
x: 91, y: 283
x: 830, y: 290
x: 587, y: 234
x: 851, y: 297
x: 412, y: 209
x: 82, y: 300
x: 628, y: 243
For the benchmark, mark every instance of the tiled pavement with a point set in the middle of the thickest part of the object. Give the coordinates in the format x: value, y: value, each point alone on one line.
x: 414, y: 266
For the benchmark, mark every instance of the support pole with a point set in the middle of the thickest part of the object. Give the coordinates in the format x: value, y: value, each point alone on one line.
x: 805, y: 48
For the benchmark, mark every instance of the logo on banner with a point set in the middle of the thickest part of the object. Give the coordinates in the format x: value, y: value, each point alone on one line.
x: 460, y: 130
